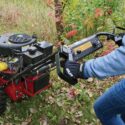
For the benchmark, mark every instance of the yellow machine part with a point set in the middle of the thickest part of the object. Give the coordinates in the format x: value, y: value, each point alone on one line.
x: 3, y: 66
x: 83, y: 47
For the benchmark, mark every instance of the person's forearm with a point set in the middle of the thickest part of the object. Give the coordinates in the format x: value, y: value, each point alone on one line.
x: 110, y: 65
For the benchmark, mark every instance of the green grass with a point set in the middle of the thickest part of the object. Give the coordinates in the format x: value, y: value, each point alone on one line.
x: 29, y: 16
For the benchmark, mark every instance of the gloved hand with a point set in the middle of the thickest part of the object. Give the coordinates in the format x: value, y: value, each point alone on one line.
x: 73, y: 69
x: 118, y: 39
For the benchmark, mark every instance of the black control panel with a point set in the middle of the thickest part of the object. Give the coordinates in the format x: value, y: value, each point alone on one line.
x: 85, y: 47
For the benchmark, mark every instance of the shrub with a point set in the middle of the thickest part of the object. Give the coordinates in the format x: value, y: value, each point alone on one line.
x: 91, y: 16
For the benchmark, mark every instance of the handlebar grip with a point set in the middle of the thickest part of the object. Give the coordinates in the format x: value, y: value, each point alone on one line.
x: 62, y: 75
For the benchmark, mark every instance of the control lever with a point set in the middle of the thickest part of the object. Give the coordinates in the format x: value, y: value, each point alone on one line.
x: 70, y: 55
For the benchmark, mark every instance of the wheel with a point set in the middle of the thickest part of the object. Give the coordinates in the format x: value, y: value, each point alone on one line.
x: 3, y: 100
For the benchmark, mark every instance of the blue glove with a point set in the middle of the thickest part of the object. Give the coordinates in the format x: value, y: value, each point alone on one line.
x: 74, y: 69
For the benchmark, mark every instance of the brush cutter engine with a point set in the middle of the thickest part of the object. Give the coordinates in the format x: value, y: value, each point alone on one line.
x: 17, y: 53
x: 25, y: 63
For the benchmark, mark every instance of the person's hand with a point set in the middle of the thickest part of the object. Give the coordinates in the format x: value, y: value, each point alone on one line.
x: 74, y: 69
x: 119, y: 40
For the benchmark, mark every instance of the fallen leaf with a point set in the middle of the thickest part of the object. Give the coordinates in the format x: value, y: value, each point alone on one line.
x: 90, y: 80
x: 26, y: 122
x: 43, y: 121
x: 33, y: 110
x: 98, y: 12
x: 71, y: 33
x: 79, y: 114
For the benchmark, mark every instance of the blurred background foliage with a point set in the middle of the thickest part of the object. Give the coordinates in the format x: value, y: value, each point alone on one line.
x: 86, y: 17
x: 28, y: 16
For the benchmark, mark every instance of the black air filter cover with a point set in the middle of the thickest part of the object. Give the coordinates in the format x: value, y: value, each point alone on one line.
x: 9, y: 42
x: 20, y: 38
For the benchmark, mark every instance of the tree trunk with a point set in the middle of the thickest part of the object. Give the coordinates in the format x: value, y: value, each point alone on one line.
x: 59, y: 18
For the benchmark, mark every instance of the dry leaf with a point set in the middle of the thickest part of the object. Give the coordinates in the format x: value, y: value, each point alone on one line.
x: 79, y: 114
x: 90, y: 80
x: 99, y: 12
x: 33, y: 110
x: 43, y: 121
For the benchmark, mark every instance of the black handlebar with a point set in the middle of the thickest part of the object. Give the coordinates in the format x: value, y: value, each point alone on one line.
x: 105, y: 34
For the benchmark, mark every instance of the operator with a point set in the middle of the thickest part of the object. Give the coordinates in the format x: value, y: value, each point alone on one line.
x: 110, y: 107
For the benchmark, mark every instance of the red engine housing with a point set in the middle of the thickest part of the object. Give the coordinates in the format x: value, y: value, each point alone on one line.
x: 30, y: 86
